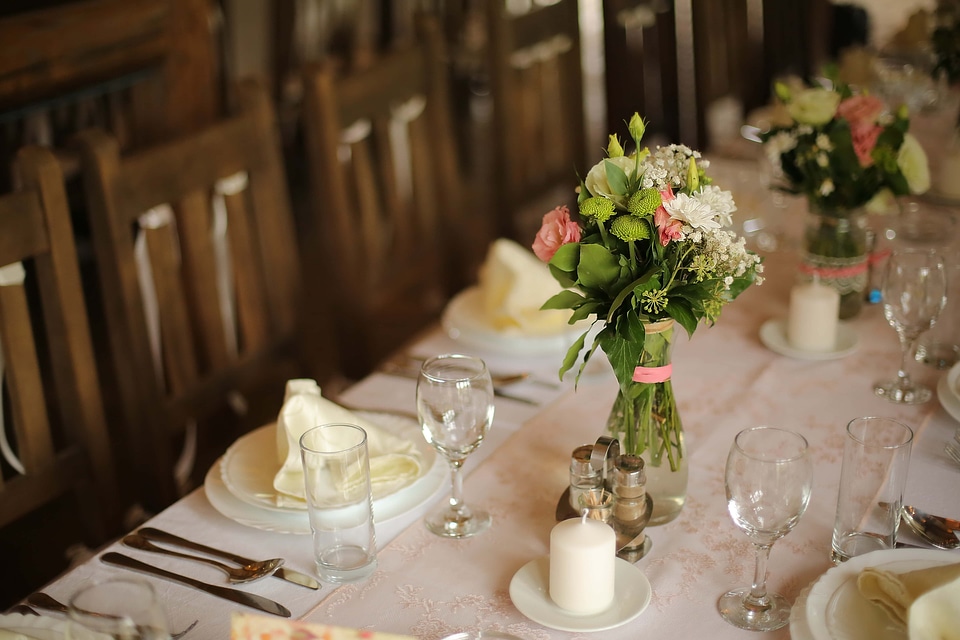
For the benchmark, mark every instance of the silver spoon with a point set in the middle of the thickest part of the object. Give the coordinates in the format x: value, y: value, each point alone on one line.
x: 930, y: 528
x: 45, y: 602
x: 238, y: 575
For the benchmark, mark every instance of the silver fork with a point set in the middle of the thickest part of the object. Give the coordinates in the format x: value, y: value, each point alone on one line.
x: 953, y: 450
x: 41, y: 600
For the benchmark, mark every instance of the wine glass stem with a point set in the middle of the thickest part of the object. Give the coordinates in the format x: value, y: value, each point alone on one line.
x: 757, y: 601
x: 456, y: 482
x: 906, y: 348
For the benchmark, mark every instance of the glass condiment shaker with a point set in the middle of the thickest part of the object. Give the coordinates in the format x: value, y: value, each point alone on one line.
x: 631, y: 507
x: 585, y: 479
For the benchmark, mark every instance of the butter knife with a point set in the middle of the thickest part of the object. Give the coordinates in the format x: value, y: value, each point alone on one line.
x: 248, y: 599
x: 284, y: 573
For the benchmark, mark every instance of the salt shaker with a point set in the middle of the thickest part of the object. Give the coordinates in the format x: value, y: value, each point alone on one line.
x: 631, y: 507
x: 585, y: 479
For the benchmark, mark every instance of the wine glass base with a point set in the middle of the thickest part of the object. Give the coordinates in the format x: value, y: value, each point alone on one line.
x: 451, y: 524
x: 732, y: 609
x: 892, y: 391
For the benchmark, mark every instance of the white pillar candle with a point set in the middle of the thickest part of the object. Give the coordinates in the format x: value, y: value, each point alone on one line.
x: 583, y: 555
x: 812, y: 324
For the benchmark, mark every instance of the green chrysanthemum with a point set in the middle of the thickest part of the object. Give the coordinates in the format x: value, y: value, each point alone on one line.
x: 598, y: 208
x: 644, y: 202
x: 630, y: 228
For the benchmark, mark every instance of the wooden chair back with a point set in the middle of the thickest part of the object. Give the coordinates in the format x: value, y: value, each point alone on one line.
x: 640, y: 67
x: 56, y: 431
x: 198, y: 262
x: 386, y: 194
x: 536, y: 79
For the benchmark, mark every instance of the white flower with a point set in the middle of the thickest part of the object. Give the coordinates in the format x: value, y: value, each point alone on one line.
x: 913, y: 164
x: 826, y: 187
x: 597, y: 183
x: 814, y: 106
x: 823, y: 142
x: 720, y: 201
x: 823, y: 160
x: 692, y: 212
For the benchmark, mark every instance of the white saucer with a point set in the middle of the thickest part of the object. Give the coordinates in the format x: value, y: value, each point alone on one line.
x: 773, y: 335
x: 465, y: 320
x: 947, y: 392
x: 529, y: 591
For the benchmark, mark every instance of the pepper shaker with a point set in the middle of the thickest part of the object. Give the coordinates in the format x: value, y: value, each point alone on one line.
x: 631, y: 507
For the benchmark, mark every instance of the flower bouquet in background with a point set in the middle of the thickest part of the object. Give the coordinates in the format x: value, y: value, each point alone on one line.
x: 651, y: 246
x: 846, y: 154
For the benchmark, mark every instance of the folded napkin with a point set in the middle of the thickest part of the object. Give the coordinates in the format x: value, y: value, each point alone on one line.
x: 394, y: 462
x: 936, y: 614
x: 514, y: 284
x: 249, y: 626
x: 895, y: 593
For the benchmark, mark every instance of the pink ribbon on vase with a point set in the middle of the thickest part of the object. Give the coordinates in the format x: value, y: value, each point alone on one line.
x: 651, y: 375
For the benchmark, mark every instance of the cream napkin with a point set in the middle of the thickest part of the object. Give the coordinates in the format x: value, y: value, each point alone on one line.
x: 936, y: 614
x: 394, y: 462
x: 249, y: 626
x: 513, y: 285
x: 896, y: 593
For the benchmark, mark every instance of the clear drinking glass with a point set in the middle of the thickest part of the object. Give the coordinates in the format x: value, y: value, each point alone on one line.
x: 455, y: 406
x: 121, y: 608
x: 768, y: 478
x: 914, y: 292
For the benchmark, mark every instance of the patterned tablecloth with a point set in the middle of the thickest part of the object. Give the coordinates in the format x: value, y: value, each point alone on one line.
x: 725, y: 380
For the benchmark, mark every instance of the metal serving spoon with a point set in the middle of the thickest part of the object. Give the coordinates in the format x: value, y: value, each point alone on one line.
x: 238, y: 575
x: 933, y: 529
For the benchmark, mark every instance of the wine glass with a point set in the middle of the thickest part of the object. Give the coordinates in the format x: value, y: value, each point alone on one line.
x: 914, y: 292
x: 455, y: 406
x: 121, y: 608
x: 768, y: 478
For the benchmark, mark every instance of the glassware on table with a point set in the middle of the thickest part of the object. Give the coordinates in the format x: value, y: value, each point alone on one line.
x: 336, y: 474
x: 120, y: 608
x: 768, y: 480
x: 876, y: 455
x: 914, y: 292
x: 455, y: 407
x: 940, y: 346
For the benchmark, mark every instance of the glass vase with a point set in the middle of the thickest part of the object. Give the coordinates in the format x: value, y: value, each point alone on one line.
x: 836, y: 251
x: 645, y: 420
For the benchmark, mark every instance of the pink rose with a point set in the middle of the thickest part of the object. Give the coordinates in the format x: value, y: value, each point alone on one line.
x: 864, y: 140
x: 668, y: 228
x: 556, y: 230
x: 860, y: 110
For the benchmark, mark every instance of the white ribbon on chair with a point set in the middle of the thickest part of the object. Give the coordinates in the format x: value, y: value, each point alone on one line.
x: 230, y: 186
x: 10, y: 275
x: 401, y: 115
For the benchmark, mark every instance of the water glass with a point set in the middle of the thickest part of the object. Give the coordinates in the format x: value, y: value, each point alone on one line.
x: 336, y: 472
x: 876, y: 456
x: 120, y: 608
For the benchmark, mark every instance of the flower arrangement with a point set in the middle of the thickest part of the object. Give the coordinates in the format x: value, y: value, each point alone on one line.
x: 651, y: 242
x: 843, y: 151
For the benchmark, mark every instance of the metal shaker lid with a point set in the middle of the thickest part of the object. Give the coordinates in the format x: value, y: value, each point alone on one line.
x: 628, y: 471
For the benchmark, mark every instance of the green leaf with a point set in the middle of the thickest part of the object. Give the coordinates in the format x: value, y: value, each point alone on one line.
x: 572, y: 354
x: 626, y: 291
x: 584, y: 311
x: 565, y: 278
x: 566, y: 299
x: 567, y: 257
x: 616, y: 178
x: 598, y: 267
x: 679, y: 309
x: 622, y: 354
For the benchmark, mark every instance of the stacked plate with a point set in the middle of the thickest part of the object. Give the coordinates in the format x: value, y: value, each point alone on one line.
x: 948, y: 390
x: 832, y: 606
x: 240, y: 484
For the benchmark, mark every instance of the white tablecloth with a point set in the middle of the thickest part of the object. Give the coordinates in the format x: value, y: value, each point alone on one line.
x: 725, y: 380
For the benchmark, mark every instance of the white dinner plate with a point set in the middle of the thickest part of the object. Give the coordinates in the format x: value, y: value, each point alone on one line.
x: 948, y: 392
x: 799, y: 629
x: 773, y: 335
x: 247, y: 476
x: 529, y: 591
x: 15, y: 625
x: 835, y: 608
x: 465, y: 320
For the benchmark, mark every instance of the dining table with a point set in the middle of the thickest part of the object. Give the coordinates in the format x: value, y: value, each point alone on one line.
x: 725, y: 377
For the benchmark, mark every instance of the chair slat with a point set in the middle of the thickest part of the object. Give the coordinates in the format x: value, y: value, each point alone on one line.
x: 252, y: 303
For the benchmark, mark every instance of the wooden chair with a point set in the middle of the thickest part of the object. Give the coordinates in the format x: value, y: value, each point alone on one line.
x: 386, y: 195
x: 640, y: 59
x: 201, y: 343
x: 59, y: 444
x: 536, y: 79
